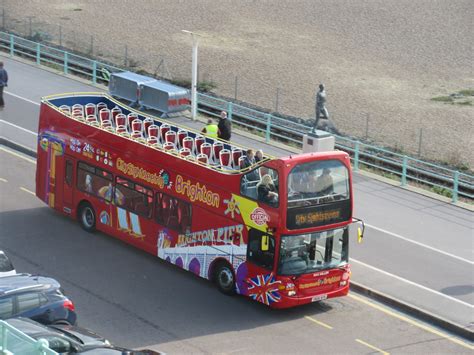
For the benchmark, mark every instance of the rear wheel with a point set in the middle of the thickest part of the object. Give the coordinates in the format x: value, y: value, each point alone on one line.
x: 87, y: 217
x: 225, y: 279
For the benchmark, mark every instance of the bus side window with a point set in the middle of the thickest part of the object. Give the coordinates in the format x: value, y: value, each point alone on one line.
x: 255, y: 254
x: 68, y: 175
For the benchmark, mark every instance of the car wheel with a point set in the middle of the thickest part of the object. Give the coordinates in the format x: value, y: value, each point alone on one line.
x: 225, y: 279
x: 87, y: 217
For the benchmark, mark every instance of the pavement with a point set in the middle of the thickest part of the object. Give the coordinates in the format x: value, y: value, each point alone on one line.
x: 427, y: 274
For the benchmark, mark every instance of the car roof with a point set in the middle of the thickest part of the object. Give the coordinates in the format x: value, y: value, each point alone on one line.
x: 26, y: 282
x: 30, y: 327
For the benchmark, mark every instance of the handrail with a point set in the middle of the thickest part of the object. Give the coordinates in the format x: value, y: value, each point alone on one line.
x: 13, y: 341
x: 404, y: 168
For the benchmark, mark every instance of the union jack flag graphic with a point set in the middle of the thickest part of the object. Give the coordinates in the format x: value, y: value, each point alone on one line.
x: 264, y: 288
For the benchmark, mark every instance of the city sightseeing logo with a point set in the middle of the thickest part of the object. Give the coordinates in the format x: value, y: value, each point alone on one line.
x: 259, y: 216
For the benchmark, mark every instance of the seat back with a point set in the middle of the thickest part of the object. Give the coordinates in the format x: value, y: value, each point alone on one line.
x: 206, y: 149
x: 153, y: 131
x: 216, y: 148
x: 120, y: 119
x: 181, y: 135
x: 163, y: 129
x: 225, y: 158
x: 202, y: 158
x: 188, y: 142
x: 90, y: 109
x: 198, y: 141
x: 236, y: 154
x: 170, y: 136
x: 147, y: 122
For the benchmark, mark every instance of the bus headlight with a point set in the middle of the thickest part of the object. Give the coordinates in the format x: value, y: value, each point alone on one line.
x: 291, y: 293
x: 343, y: 283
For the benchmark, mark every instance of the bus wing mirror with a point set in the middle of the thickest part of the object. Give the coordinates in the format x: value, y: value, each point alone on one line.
x: 360, y: 235
x: 265, y: 243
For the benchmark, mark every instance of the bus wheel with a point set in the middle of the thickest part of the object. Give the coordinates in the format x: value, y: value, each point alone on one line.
x: 225, y: 279
x: 87, y: 217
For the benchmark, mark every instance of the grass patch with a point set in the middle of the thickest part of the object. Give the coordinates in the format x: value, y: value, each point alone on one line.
x: 467, y: 92
x: 462, y: 97
x: 448, y: 99
x: 442, y: 191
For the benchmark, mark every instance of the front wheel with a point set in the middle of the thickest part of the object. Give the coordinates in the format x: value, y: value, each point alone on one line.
x: 225, y: 279
x: 87, y: 217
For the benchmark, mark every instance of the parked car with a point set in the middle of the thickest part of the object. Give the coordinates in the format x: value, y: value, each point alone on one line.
x: 36, y: 297
x: 6, y: 266
x: 68, y: 339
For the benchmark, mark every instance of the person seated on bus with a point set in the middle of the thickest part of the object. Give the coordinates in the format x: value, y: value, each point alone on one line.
x: 266, y: 191
x: 249, y: 160
x: 88, y: 184
x: 324, y: 183
x: 258, y: 155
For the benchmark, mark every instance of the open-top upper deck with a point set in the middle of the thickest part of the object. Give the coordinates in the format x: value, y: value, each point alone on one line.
x: 107, y: 114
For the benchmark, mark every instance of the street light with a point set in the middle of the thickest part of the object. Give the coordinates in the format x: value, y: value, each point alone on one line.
x: 194, y: 74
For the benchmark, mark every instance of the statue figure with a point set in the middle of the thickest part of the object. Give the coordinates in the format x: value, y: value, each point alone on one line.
x: 320, y: 107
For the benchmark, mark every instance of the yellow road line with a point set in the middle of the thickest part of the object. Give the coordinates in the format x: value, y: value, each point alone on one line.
x: 3, y: 180
x: 413, y: 322
x: 18, y: 155
x: 26, y: 190
x: 318, y: 322
x: 372, y: 347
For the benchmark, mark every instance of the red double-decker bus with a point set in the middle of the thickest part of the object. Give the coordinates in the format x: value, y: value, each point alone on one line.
x: 276, y: 230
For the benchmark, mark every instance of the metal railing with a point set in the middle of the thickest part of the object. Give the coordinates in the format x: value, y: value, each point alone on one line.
x: 444, y: 181
x: 13, y: 341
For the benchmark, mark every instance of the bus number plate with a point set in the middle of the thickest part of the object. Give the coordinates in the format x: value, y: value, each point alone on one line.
x: 319, y: 298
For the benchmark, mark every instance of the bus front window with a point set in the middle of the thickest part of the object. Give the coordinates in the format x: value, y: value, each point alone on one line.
x: 307, y: 253
x: 317, y: 182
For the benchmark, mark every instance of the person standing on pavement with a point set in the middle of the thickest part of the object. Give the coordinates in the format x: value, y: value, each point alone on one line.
x: 3, y: 83
x: 211, y: 130
x: 225, y: 126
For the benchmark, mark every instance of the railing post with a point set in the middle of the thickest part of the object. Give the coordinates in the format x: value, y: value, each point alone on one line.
x: 12, y: 45
x: 356, y: 156
x: 455, y: 186
x: 4, y: 336
x: 269, y: 127
x: 38, y: 53
x: 229, y: 110
x: 404, y: 170
x: 94, y: 72
x: 66, y: 62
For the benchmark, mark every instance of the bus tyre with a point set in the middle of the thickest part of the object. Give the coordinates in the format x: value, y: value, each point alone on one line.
x: 225, y: 279
x: 87, y: 217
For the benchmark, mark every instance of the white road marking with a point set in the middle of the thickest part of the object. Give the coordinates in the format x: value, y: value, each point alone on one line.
x: 22, y: 98
x: 18, y: 155
x: 18, y: 127
x: 420, y: 244
x: 412, y: 283
x: 372, y: 347
x: 26, y: 190
x: 3, y: 180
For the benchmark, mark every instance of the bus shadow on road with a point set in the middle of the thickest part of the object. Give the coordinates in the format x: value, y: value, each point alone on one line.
x: 127, y: 294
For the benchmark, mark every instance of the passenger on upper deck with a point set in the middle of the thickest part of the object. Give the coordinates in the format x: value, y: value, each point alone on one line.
x: 258, y: 155
x: 266, y: 191
x: 249, y: 160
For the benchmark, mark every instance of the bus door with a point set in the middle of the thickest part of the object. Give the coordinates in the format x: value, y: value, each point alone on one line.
x: 64, y: 182
x: 260, y: 252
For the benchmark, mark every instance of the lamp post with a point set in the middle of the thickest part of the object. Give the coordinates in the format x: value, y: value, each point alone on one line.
x: 194, y: 74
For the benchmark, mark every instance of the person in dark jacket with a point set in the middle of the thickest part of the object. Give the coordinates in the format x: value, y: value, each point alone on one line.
x: 3, y: 83
x: 225, y: 126
x: 267, y: 191
x: 249, y: 160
